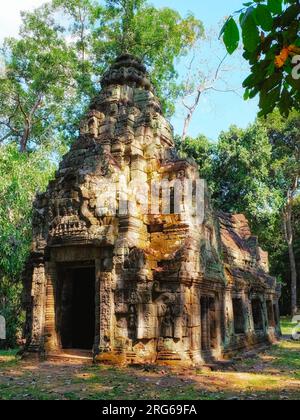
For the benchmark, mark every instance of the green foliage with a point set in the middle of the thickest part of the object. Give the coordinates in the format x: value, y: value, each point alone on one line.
x: 39, y: 81
x: 271, y: 39
x: 251, y: 171
x: 284, y: 135
x: 11, y: 309
x: 21, y: 176
x: 158, y: 36
x: 203, y: 153
x: 242, y: 172
x: 52, y: 70
x: 231, y: 36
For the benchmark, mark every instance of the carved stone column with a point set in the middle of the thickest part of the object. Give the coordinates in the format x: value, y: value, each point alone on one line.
x: 52, y: 342
x: 105, y: 310
x: 38, y: 294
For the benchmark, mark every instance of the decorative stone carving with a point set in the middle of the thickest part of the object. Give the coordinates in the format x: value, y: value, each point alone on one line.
x: 132, y: 322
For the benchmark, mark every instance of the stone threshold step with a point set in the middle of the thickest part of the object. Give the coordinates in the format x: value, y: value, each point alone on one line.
x: 84, y: 355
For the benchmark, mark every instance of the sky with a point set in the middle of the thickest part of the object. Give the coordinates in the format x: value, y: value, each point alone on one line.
x: 217, y: 110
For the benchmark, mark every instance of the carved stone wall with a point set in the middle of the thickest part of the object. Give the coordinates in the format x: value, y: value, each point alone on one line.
x: 164, y: 282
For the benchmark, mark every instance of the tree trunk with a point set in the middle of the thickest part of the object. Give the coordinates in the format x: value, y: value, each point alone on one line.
x: 28, y: 121
x: 289, y: 238
x: 186, y: 126
x: 191, y: 110
x: 25, y: 138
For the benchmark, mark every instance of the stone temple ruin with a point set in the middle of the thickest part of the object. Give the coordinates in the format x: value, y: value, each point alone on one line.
x: 140, y: 286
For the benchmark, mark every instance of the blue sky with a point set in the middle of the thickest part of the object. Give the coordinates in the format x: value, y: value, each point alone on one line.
x: 217, y: 111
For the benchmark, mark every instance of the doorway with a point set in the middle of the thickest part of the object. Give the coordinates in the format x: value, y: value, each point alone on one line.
x: 77, y: 307
x: 238, y: 316
x: 209, y: 330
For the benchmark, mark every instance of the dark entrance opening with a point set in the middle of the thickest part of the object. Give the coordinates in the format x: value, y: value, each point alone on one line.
x: 213, y: 323
x: 275, y: 312
x: 271, y: 315
x: 238, y: 316
x: 77, y: 307
x: 257, y: 315
x: 204, y: 324
x: 209, y: 334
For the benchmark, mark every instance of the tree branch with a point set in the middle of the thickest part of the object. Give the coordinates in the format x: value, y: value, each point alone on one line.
x: 206, y: 85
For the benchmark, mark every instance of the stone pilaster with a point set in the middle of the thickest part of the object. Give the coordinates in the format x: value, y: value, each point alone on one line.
x: 38, y: 294
x: 105, y: 316
x: 52, y: 342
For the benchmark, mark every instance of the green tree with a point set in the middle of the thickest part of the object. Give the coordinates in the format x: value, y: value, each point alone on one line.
x: 52, y: 70
x: 284, y: 136
x: 38, y: 81
x: 159, y: 36
x: 241, y: 171
x: 202, y: 151
x: 280, y: 259
x: 296, y: 224
x: 256, y: 172
x: 11, y: 309
x: 21, y: 176
x: 271, y: 40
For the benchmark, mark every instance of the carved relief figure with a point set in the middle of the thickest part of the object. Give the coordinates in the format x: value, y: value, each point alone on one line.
x: 167, y: 323
x: 132, y: 322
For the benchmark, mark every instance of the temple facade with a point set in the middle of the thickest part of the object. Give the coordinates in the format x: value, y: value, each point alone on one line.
x: 129, y: 259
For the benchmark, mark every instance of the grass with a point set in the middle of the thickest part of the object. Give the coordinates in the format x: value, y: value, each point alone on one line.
x: 273, y: 374
x: 287, y: 326
x: 8, y: 358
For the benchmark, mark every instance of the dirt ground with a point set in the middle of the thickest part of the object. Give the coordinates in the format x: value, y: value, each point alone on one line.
x: 272, y: 374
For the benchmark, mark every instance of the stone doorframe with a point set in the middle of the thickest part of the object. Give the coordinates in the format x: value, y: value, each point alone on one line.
x: 104, y: 309
x: 210, y: 310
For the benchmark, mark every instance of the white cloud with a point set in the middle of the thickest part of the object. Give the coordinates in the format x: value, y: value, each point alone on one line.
x: 10, y: 15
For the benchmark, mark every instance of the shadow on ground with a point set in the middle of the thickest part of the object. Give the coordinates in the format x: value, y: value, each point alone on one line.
x: 272, y: 374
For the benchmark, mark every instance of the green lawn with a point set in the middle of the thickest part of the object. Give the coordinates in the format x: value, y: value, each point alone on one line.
x: 272, y: 374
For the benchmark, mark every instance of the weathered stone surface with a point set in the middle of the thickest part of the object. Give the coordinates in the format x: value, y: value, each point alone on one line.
x: 169, y: 286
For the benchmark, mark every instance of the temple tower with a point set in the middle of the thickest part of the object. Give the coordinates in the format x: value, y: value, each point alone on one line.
x: 129, y: 259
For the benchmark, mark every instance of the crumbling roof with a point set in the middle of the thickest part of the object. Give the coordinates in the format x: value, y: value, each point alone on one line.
x: 241, y: 251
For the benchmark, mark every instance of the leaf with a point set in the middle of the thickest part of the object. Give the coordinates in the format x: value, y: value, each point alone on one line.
x: 251, y: 37
x: 264, y: 17
x: 275, y: 6
x: 255, y: 78
x: 231, y: 36
x: 285, y: 102
x: 271, y: 82
x: 268, y: 100
x: 290, y: 15
x: 293, y: 82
